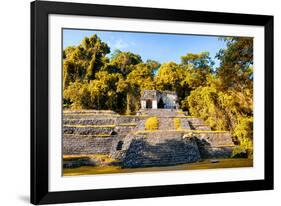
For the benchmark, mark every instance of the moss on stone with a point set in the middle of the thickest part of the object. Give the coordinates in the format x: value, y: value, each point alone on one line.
x: 177, y: 123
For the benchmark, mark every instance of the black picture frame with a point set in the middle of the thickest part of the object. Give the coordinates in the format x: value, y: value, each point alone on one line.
x: 40, y: 104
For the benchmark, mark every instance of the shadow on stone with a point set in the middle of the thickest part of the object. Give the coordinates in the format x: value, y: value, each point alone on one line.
x: 141, y: 153
x: 208, y: 151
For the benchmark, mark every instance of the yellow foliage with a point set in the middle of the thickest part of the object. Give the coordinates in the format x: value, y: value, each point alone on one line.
x: 93, y: 126
x: 244, y: 133
x: 177, y: 123
x: 151, y: 123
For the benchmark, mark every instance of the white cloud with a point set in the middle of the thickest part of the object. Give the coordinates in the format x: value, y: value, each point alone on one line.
x: 121, y: 44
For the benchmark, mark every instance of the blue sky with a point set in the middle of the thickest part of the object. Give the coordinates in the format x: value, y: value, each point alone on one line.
x: 159, y: 47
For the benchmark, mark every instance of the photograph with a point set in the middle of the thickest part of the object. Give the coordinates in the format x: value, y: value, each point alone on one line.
x: 147, y: 102
x: 132, y: 102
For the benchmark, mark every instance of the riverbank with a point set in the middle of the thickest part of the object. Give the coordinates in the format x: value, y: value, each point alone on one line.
x: 205, y: 164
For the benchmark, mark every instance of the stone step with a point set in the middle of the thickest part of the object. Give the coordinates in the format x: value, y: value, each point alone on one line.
x: 201, y: 127
x: 90, y: 121
x: 160, y: 151
x: 87, y: 144
x: 166, y: 123
x: 194, y: 120
x: 124, y: 129
x: 90, y: 116
x: 215, y: 139
x: 128, y: 119
x: 159, y: 112
x: 167, y: 134
x: 185, y: 123
x: 88, y: 111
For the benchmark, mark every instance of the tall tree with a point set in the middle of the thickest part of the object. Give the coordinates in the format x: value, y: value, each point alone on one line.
x: 83, y: 61
x: 171, y: 76
x: 236, y: 62
x: 125, y: 61
x: 198, y: 67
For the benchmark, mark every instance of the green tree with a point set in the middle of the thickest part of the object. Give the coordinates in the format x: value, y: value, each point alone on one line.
x: 196, y: 61
x: 124, y: 62
x: 83, y: 61
x: 236, y: 60
x: 137, y: 81
x: 78, y: 95
x: 198, y: 67
x: 155, y: 65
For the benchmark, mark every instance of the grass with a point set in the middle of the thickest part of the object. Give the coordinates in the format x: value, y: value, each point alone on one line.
x: 100, y: 157
x: 185, y: 116
x: 92, y: 135
x: 88, y: 111
x: 208, y: 131
x: 92, y: 114
x: 180, y: 130
x: 177, y: 123
x: 127, y: 124
x: 180, y: 112
x: 73, y: 157
x: 205, y: 164
x: 133, y: 115
x: 101, y: 114
x: 94, y: 126
x: 155, y: 131
x: 196, y: 124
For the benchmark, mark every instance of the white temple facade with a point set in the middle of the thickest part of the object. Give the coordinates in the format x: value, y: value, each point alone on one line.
x: 154, y: 99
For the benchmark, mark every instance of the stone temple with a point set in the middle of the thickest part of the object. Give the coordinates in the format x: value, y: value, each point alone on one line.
x: 125, y: 138
x: 154, y: 99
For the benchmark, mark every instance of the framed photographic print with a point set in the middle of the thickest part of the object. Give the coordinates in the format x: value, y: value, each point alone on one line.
x: 131, y: 102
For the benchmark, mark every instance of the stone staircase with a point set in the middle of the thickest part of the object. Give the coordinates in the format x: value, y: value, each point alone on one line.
x: 160, y: 150
x: 94, y: 132
x: 93, y: 122
x: 166, y: 123
x: 124, y: 137
x: 197, y: 124
x: 185, y: 123
x: 165, y: 118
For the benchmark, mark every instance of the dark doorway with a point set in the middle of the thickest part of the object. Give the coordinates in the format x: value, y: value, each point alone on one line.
x: 148, y: 104
x: 160, y: 103
x: 119, y: 145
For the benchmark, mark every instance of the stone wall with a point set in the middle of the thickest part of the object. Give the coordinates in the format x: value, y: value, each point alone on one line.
x: 152, y: 149
x: 73, y: 144
x: 90, y: 121
x: 215, y: 139
x: 88, y: 130
x: 215, y: 145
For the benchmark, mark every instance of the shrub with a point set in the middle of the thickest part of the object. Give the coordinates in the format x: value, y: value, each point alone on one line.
x: 239, y: 152
x: 151, y: 123
x: 177, y: 123
x: 244, y: 133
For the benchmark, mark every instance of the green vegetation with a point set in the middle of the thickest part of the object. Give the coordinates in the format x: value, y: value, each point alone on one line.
x: 222, y: 97
x: 177, y: 123
x: 180, y: 130
x: 91, y: 125
x: 100, y: 157
x: 86, y: 135
x: 128, y: 124
x: 180, y: 112
x: 151, y: 123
